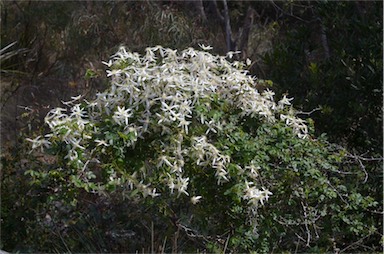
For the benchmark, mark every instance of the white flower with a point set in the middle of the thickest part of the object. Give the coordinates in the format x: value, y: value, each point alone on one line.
x: 171, y: 182
x: 168, y: 109
x: 109, y: 63
x: 72, y: 155
x: 152, y: 192
x: 76, y: 143
x: 77, y: 112
x: 81, y: 124
x: 182, y: 185
x: 221, y: 175
x: 203, y: 47
x: 114, y: 72
x: 195, y: 199
x: 285, y: 101
x: 184, y: 124
x: 101, y: 142
x: 56, y: 112
x: 150, y: 55
x: 145, y: 121
x: 74, y: 98
x: 268, y: 94
x: 252, y: 171
x: 303, y: 136
x: 92, y: 104
x: 255, y: 195
x: 185, y: 107
x: 231, y: 53
x: 121, y: 115
x: 163, y: 160
x: 266, y: 194
x: 190, y: 51
x: 39, y: 142
x: 211, y: 126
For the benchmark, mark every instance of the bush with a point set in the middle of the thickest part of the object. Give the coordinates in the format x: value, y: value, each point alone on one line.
x: 187, y: 140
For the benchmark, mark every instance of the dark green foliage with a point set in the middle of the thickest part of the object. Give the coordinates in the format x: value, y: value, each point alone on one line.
x: 347, y: 84
x: 322, y: 194
x: 317, y: 203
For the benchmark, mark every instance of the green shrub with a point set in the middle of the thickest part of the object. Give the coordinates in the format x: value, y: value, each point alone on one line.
x: 187, y: 137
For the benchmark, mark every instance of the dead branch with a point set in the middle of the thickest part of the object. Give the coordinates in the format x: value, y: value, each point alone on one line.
x: 228, y: 29
x: 243, y: 39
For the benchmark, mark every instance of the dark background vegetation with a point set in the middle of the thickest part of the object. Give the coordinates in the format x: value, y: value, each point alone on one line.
x: 327, y: 55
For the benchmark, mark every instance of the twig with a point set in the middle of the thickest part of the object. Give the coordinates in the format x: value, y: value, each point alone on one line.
x: 360, y: 160
x: 163, y: 248
x: 355, y: 243
x: 288, y: 14
x: 338, y: 193
x: 226, y: 244
x: 152, y: 238
x: 299, y: 237
x: 191, y: 233
x: 364, y: 170
x: 243, y: 38
x: 297, y: 246
x: 174, y: 246
x: 308, y: 113
x: 365, y: 159
x: 217, y: 12
x: 228, y: 29
x: 324, y: 40
x: 343, y: 173
x: 306, y: 224
x: 195, y: 235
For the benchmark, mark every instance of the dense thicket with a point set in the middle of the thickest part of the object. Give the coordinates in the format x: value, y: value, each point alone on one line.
x: 327, y: 55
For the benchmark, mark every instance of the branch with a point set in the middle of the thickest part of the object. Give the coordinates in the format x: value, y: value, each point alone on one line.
x: 193, y: 234
x: 324, y: 40
x: 337, y: 192
x: 360, y: 160
x: 228, y: 30
x: 286, y: 13
x: 364, y: 170
x: 308, y: 113
x: 359, y: 157
x: 306, y: 224
x: 323, y: 35
x: 243, y: 39
x: 200, y: 8
x: 217, y: 12
x: 358, y: 242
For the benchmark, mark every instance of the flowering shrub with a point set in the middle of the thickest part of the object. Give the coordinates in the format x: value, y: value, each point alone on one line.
x: 190, y: 133
x: 175, y: 97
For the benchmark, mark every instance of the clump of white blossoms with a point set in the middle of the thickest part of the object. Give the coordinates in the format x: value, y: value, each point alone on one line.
x: 168, y: 95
